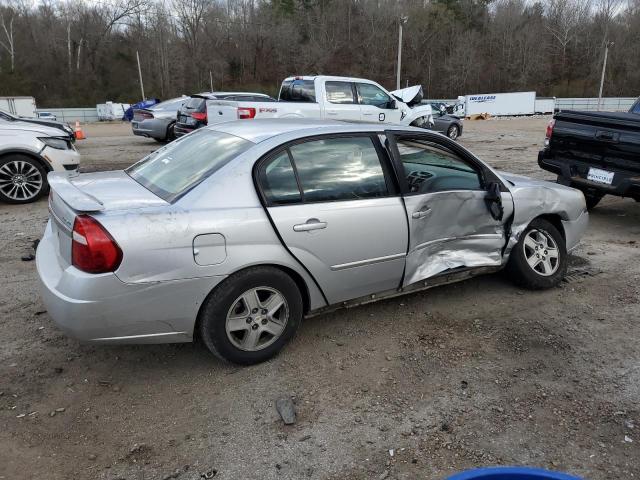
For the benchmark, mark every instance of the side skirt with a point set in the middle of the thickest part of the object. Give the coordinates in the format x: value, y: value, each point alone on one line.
x: 444, y: 278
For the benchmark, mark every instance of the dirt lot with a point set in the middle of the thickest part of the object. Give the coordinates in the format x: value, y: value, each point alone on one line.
x: 477, y: 373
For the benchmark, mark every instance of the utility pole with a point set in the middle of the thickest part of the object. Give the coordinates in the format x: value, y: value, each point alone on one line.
x: 210, y: 81
x: 403, y: 20
x: 140, y: 75
x: 604, y: 69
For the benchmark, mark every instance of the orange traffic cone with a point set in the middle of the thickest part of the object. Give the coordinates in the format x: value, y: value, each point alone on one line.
x: 78, y: 132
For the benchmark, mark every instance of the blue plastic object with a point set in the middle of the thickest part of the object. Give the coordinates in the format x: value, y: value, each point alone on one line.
x: 511, y: 473
x: 128, y: 114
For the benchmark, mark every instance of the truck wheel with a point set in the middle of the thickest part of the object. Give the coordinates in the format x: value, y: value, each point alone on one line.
x: 592, y: 199
x: 250, y: 316
x: 539, y: 259
x: 22, y: 179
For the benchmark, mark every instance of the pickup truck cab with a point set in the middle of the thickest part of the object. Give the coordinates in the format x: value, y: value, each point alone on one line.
x: 596, y: 152
x: 332, y: 98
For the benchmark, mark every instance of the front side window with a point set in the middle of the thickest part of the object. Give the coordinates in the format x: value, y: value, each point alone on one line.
x: 339, y: 169
x: 431, y: 168
x: 175, y: 169
x: 371, y: 95
x: 339, y: 92
x: 278, y: 180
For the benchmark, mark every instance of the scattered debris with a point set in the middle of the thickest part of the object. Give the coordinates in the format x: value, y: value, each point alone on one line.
x: 92, y: 456
x: 304, y: 438
x: 27, y: 257
x: 391, y: 452
x: 209, y: 474
x: 628, y: 439
x: 60, y: 410
x: 286, y: 409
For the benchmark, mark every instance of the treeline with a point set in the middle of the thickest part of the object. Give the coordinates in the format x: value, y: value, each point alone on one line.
x: 79, y: 53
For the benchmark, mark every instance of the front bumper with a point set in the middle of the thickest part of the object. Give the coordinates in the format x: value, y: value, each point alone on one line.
x: 574, y: 173
x: 103, y: 309
x: 61, y: 160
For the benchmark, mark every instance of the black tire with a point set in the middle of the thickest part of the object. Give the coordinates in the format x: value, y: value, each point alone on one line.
x: 453, y: 132
x: 522, y: 274
x: 213, y: 315
x: 7, y: 164
x: 171, y: 133
x: 592, y: 199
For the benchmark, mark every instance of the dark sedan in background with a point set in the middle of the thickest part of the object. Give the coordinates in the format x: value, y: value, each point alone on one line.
x: 445, y: 123
x: 193, y: 114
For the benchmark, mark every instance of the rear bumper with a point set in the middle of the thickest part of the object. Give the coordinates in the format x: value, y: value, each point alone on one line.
x: 574, y: 173
x: 154, y: 128
x: 574, y: 230
x: 103, y: 309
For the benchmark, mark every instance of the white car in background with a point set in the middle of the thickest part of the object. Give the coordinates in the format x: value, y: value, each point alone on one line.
x: 28, y: 152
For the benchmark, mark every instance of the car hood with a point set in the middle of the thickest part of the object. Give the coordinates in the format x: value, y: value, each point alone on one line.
x: 23, y: 126
x: 49, y: 123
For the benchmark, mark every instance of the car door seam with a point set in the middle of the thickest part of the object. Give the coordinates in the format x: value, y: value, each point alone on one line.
x: 368, y: 261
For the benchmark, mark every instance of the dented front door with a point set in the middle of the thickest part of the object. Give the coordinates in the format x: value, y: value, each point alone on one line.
x: 450, y: 224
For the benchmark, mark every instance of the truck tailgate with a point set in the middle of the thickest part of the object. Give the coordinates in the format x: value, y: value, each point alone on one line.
x: 219, y: 111
x: 607, y: 140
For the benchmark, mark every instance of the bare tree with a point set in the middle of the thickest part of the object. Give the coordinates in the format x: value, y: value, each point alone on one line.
x: 8, y: 43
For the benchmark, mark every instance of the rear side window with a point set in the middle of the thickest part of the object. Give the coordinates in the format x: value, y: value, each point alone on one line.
x: 279, y: 182
x: 339, y: 169
x: 175, y: 169
x: 339, y: 92
x: 298, y: 91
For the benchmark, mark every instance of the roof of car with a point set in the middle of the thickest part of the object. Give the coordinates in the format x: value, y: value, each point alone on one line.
x: 214, y: 94
x: 259, y: 130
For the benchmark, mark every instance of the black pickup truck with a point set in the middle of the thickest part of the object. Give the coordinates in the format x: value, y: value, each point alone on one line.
x: 596, y: 152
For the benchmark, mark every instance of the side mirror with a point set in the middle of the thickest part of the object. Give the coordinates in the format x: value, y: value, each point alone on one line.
x: 494, y: 201
x: 391, y: 105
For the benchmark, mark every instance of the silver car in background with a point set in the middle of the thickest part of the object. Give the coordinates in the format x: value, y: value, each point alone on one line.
x: 158, y: 121
x: 237, y: 231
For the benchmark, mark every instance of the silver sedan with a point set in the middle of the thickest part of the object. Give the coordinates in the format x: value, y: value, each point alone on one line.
x: 235, y: 232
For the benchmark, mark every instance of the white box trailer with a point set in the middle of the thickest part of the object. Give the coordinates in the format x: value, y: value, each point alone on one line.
x: 111, y: 111
x: 20, y: 106
x: 501, y: 104
x: 545, y: 105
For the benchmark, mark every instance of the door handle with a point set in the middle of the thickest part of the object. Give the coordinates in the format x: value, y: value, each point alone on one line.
x: 330, y: 112
x: 421, y: 213
x: 311, y: 224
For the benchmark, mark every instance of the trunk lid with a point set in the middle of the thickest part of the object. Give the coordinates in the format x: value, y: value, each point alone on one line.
x: 95, y: 194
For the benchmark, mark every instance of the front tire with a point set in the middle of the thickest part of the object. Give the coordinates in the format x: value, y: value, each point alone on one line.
x: 22, y: 179
x: 453, y: 132
x: 539, y: 259
x: 251, y: 316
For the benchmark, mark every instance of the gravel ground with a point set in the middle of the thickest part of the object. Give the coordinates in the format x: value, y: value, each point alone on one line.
x: 477, y: 373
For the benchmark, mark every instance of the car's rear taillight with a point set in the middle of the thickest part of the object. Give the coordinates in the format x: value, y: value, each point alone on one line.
x: 200, y: 116
x: 550, y: 125
x: 93, y: 249
x: 246, y: 112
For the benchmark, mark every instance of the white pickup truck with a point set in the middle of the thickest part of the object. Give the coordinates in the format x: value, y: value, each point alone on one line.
x: 325, y: 97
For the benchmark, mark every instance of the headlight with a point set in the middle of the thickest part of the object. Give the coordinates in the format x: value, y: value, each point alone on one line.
x: 56, y: 142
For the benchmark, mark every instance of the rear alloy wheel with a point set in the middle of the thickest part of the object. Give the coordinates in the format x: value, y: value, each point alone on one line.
x: 453, y: 132
x: 539, y: 260
x: 171, y: 133
x: 250, y: 316
x: 22, y: 179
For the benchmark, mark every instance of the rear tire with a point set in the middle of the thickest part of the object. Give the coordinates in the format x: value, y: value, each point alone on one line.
x: 171, y: 133
x: 531, y: 263
x: 251, y: 331
x: 22, y: 179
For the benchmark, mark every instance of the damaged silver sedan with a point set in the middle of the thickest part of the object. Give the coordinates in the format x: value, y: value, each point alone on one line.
x: 234, y: 233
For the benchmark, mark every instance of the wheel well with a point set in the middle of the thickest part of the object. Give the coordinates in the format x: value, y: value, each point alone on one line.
x: 556, y: 221
x: 31, y: 155
x: 295, y: 276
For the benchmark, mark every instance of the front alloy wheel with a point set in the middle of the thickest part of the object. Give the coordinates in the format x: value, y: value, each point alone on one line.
x: 22, y: 180
x: 541, y: 252
x: 453, y: 132
x: 539, y: 259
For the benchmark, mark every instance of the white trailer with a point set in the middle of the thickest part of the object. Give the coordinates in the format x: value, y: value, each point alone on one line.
x: 111, y: 111
x: 501, y: 104
x: 545, y: 105
x: 19, y: 106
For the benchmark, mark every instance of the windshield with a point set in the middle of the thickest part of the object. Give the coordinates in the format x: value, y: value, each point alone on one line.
x: 172, y: 171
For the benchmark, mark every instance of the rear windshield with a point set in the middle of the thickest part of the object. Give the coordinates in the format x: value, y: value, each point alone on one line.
x: 194, y: 103
x: 298, y: 91
x: 175, y: 169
